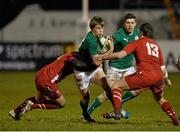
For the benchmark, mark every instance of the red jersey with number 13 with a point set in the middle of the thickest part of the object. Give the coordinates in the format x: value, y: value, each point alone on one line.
x: 147, y: 53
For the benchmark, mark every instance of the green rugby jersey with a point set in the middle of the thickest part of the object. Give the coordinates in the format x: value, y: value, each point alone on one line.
x: 90, y: 46
x: 121, y: 40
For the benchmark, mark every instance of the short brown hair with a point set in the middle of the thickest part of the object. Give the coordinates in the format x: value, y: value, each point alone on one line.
x: 96, y: 20
x: 129, y: 16
x: 147, y: 30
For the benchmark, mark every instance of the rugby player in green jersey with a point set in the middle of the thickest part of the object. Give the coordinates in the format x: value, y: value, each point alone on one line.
x: 121, y: 67
x: 87, y: 66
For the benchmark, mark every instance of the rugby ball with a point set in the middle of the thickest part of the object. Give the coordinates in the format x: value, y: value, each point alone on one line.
x: 104, y: 44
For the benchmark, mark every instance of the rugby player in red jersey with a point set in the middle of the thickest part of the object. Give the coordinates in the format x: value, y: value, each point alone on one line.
x: 151, y: 72
x: 48, y: 96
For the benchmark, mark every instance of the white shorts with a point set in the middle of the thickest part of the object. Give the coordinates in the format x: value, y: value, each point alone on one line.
x: 116, y: 74
x: 83, y: 79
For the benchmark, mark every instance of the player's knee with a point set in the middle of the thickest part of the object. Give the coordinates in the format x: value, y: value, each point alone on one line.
x: 100, y: 74
x: 102, y: 97
x: 84, y: 92
x: 111, y: 82
x: 85, y: 96
x: 162, y: 100
x: 61, y: 101
x: 137, y: 92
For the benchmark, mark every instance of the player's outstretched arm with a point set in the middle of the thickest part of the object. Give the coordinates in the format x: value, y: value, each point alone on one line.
x: 114, y: 56
x: 167, y: 80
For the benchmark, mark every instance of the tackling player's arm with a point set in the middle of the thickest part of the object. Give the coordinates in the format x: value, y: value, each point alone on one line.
x: 116, y: 55
x: 167, y: 80
x: 163, y: 68
x: 97, y: 59
x: 128, y: 49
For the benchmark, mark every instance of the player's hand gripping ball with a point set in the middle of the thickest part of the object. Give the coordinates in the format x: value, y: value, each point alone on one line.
x: 104, y: 44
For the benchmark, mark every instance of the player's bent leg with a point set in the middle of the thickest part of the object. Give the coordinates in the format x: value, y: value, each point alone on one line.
x: 84, y: 105
x: 61, y: 101
x: 117, y: 88
x: 131, y: 94
x: 49, y: 99
x: 97, y: 102
x: 167, y: 108
x: 27, y: 107
x: 99, y: 78
x: 14, y: 114
x: 102, y: 82
x: 18, y: 112
x: 49, y: 103
x: 82, y: 81
x: 116, y: 96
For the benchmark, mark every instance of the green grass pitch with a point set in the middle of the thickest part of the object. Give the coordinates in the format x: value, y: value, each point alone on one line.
x: 146, y: 114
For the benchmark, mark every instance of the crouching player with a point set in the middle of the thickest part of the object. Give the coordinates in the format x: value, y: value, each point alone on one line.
x: 48, y: 96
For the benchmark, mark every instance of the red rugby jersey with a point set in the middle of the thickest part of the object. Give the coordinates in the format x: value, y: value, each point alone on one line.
x: 147, y: 53
x: 59, y: 69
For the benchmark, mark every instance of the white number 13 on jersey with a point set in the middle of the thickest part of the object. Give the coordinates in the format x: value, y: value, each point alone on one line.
x: 152, y: 49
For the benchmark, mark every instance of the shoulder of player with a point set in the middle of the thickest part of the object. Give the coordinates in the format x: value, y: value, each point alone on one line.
x: 151, y: 40
x: 89, y: 39
x: 137, y: 42
x: 120, y: 33
x: 144, y: 39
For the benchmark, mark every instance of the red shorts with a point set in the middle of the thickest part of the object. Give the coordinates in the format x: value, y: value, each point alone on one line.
x: 152, y: 79
x: 45, y: 87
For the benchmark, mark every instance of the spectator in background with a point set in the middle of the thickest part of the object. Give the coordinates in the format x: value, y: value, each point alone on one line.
x: 176, y: 13
x: 178, y: 64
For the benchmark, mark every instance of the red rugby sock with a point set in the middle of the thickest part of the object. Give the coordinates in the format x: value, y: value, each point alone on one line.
x: 116, y: 96
x: 170, y: 112
x: 44, y: 106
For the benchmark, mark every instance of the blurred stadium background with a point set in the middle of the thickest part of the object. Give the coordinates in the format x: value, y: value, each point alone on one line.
x: 34, y: 32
